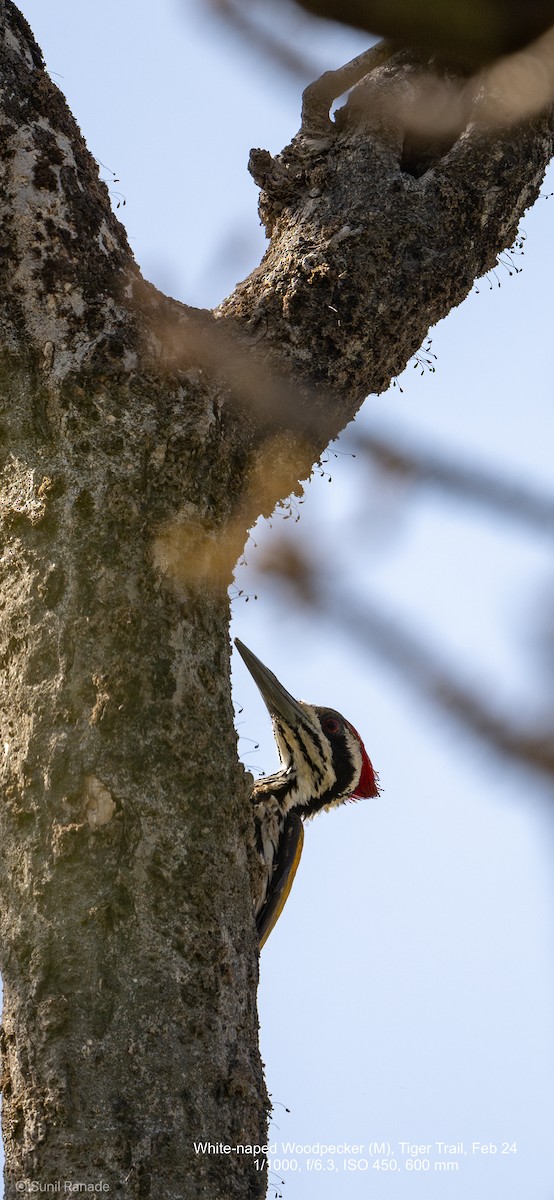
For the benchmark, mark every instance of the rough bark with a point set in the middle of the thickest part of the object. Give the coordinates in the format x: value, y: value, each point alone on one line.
x: 376, y: 235
x: 136, y: 442
x: 127, y: 945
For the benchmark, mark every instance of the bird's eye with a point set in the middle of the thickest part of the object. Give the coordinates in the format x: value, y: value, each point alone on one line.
x: 331, y: 725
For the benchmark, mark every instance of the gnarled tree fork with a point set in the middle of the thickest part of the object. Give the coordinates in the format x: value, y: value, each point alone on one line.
x: 139, y: 441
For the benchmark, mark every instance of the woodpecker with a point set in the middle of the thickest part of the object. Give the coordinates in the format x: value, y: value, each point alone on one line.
x: 323, y: 764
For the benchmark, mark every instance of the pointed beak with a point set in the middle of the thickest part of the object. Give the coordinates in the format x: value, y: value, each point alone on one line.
x: 278, y: 701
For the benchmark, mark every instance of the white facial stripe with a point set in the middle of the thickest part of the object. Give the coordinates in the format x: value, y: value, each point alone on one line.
x: 355, y: 753
x: 312, y: 757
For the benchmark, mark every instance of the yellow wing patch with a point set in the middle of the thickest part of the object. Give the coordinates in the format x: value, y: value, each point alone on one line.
x: 289, y: 858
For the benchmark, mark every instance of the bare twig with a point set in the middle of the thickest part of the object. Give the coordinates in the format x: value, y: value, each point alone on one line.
x: 241, y: 18
x: 318, y: 97
x: 474, y: 485
x: 419, y: 664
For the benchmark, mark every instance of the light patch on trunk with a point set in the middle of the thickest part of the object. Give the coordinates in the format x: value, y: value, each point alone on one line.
x: 21, y: 494
x: 188, y: 552
x: 100, y: 807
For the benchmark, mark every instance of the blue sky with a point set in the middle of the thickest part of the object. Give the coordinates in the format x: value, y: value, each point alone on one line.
x: 407, y: 992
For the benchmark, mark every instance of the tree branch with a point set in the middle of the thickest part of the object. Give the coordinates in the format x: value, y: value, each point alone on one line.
x: 371, y: 243
x: 63, y: 247
x: 427, y: 468
x: 531, y: 746
x: 417, y: 663
x: 365, y: 255
x: 282, y: 53
x: 468, y: 32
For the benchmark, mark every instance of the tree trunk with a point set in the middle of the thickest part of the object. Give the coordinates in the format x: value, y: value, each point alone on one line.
x: 129, y: 475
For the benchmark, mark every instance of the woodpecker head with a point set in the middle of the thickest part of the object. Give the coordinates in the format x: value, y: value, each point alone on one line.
x: 323, y: 758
